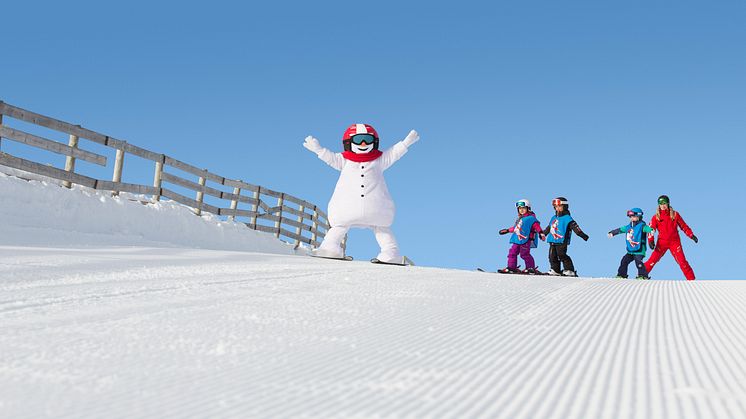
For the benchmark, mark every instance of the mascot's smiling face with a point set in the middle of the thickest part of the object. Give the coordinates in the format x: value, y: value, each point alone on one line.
x: 360, y: 139
x: 362, y: 143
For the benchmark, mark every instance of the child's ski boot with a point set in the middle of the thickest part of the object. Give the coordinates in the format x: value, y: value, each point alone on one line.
x: 621, y: 277
x: 552, y: 272
x: 568, y: 272
x: 642, y: 277
x: 531, y: 271
x: 508, y: 271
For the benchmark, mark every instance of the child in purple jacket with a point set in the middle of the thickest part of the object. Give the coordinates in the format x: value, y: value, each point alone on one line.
x: 525, y: 234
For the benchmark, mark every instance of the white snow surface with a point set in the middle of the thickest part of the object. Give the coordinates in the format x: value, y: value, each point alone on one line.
x: 116, y: 327
x: 40, y: 212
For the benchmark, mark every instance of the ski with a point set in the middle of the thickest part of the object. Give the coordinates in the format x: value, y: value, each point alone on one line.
x: 538, y: 273
x: 405, y: 262
x: 346, y: 258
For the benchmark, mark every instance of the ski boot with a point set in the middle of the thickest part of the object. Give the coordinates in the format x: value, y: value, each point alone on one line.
x: 508, y: 271
x: 642, y: 277
x: 568, y: 272
x: 552, y: 272
x: 531, y: 271
x: 621, y: 277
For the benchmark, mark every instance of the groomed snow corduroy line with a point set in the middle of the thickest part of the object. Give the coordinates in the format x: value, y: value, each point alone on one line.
x: 149, y: 332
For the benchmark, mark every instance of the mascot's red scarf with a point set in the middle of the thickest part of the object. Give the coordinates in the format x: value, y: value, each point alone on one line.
x: 362, y: 158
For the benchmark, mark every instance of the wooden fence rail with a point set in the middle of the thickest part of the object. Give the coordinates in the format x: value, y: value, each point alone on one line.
x: 289, y: 218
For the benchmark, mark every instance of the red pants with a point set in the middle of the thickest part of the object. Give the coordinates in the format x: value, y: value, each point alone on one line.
x: 678, y: 255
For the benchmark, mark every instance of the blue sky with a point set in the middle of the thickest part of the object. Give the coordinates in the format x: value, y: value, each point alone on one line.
x: 607, y: 104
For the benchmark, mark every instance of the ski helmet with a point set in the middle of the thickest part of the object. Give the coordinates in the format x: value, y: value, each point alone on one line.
x: 359, y: 133
x: 663, y: 199
x: 561, y: 200
x: 634, y: 212
x: 523, y: 203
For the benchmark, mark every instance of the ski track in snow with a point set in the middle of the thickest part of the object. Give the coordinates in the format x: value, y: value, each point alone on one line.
x: 153, y: 332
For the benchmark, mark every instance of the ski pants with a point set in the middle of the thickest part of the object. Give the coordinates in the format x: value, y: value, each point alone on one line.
x: 525, y: 251
x: 557, y: 254
x: 678, y: 255
x: 626, y: 259
x: 384, y: 237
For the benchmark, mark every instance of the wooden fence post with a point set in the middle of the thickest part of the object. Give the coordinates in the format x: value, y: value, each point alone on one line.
x: 70, y: 160
x: 314, y: 226
x: 234, y: 203
x: 157, y: 182
x: 118, y: 166
x: 280, y: 201
x: 299, y: 230
x: 200, y: 195
x: 255, y: 206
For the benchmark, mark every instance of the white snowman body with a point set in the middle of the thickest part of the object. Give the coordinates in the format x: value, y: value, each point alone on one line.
x: 361, y: 197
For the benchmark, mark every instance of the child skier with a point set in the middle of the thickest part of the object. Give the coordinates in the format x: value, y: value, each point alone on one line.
x: 637, y: 232
x: 525, y: 232
x: 558, y: 233
x: 666, y: 222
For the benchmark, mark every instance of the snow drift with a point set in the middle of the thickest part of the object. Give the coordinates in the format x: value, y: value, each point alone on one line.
x: 40, y: 213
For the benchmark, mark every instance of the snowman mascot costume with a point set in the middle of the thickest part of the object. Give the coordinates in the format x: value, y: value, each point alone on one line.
x: 361, y: 198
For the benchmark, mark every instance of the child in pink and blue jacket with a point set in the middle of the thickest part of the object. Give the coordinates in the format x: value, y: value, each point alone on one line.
x: 525, y: 236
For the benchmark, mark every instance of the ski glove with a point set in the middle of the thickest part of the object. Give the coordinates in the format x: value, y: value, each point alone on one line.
x: 696, y: 240
x: 504, y: 231
x: 543, y: 237
x: 651, y: 243
x: 411, y: 138
x: 611, y: 234
x: 312, y: 144
x: 584, y: 237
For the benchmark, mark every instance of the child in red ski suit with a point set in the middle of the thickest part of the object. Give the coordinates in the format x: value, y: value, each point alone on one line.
x: 666, y: 222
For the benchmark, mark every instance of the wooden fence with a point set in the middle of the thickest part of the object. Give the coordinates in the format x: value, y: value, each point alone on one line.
x: 289, y: 218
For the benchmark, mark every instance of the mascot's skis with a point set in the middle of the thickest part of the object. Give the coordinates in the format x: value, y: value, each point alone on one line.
x: 361, y: 198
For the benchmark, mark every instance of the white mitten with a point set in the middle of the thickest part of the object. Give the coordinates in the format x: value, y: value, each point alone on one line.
x: 412, y: 138
x: 312, y: 144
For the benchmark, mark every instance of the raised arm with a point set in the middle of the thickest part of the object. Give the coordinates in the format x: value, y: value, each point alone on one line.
x: 399, y: 149
x: 616, y: 231
x: 329, y: 157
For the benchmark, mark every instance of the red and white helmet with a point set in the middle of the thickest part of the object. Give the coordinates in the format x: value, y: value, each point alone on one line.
x: 362, y: 130
x: 356, y: 129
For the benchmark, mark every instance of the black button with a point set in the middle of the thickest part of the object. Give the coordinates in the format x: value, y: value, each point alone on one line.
x: 362, y: 196
x: 362, y: 186
x: 362, y: 167
x: 362, y: 175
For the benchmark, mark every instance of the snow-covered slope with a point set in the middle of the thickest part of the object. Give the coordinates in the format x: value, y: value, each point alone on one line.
x: 154, y: 331
x: 42, y: 213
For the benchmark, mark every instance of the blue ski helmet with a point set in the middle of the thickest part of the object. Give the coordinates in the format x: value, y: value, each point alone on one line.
x: 634, y: 212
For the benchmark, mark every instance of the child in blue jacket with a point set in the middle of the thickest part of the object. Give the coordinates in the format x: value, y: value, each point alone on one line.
x: 636, y: 231
x: 558, y: 234
x: 525, y: 235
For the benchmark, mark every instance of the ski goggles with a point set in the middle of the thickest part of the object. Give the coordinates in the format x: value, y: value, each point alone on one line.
x: 363, y: 138
x: 556, y: 202
x: 663, y: 201
x: 521, y: 205
x: 633, y: 214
